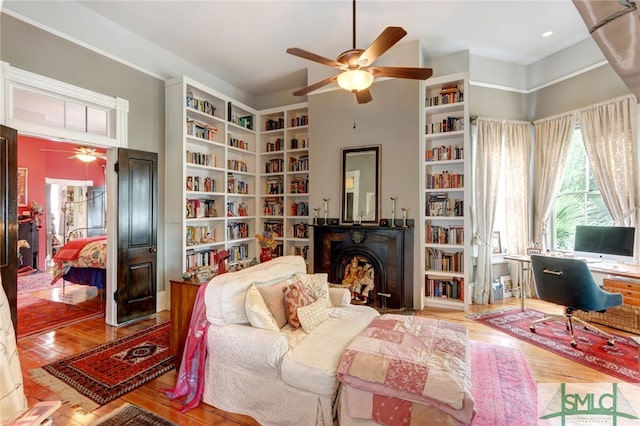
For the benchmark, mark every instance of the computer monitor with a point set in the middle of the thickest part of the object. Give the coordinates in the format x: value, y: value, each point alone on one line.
x: 606, y: 243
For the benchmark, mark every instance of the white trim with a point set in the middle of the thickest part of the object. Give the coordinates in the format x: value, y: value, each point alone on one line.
x: 68, y: 182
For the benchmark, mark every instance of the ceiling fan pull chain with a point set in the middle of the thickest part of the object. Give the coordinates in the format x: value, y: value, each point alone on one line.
x: 355, y: 106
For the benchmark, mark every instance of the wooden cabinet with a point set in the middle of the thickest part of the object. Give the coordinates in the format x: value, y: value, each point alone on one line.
x: 28, y: 230
x: 183, y: 296
x: 446, y: 194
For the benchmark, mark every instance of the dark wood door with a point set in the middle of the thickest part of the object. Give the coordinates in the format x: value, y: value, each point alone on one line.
x: 9, y: 217
x: 137, y: 239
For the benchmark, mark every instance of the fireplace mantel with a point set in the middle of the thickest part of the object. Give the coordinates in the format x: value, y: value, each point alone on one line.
x: 390, y: 250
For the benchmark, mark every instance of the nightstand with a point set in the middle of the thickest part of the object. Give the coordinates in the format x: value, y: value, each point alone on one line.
x: 183, y: 296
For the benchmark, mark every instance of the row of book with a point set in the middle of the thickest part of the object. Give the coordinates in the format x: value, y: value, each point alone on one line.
x: 299, y: 164
x: 237, y: 209
x: 439, y: 260
x: 245, y: 121
x: 444, y: 234
x: 197, y: 259
x: 299, y: 144
x: 201, y: 130
x: 237, y: 165
x: 272, y: 124
x: 301, y: 120
x: 299, y: 185
x: 449, y: 124
x: 201, y: 105
x: 274, y: 165
x: 300, y: 251
x: 444, y: 180
x: 273, y: 207
x: 236, y: 186
x: 201, y: 158
x: 238, y: 143
x: 238, y: 253
x: 197, y: 208
x: 443, y: 153
x: 200, y: 184
x: 300, y: 208
x: 446, y: 288
x: 237, y: 230
x: 439, y: 204
x: 447, y: 95
x: 274, y: 228
x: 200, y: 235
x: 300, y: 230
x: 275, y: 146
x: 274, y: 185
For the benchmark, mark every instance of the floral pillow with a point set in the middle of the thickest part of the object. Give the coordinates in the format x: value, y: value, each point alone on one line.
x: 295, y: 296
x: 317, y: 286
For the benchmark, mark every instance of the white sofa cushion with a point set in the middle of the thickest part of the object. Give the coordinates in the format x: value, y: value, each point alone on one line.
x: 225, y: 294
x: 317, y: 286
x: 312, y: 315
x: 258, y: 312
x: 311, y: 364
x: 273, y: 296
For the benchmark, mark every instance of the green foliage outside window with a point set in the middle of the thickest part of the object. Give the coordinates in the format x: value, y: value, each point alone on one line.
x: 579, y: 201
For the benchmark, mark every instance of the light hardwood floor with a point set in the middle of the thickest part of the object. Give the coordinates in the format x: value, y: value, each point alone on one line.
x: 39, y: 350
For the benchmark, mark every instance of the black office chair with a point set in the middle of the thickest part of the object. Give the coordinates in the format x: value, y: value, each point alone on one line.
x: 568, y: 282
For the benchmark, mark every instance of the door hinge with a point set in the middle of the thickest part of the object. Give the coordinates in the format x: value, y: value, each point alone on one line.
x: 116, y: 167
x: 115, y: 296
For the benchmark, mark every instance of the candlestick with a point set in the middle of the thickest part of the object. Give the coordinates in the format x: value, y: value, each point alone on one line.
x: 326, y: 210
x: 393, y: 211
x: 315, y: 215
x: 404, y: 216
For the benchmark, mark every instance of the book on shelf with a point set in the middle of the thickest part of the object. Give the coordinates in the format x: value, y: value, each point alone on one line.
x: 299, y: 143
x: 237, y: 230
x: 274, y: 227
x: 445, y: 288
x: 300, y: 208
x: 444, y: 153
x: 273, y: 207
x: 300, y: 230
x: 299, y: 185
x: 299, y: 164
x: 444, y: 180
x: 238, y: 143
x: 201, y: 130
x: 274, y: 146
x: 274, y: 124
x: 274, y: 185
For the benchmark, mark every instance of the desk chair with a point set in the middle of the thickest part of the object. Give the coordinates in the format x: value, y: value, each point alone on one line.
x: 568, y: 282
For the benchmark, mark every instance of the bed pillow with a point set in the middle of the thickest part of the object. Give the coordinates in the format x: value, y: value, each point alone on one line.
x: 295, y: 296
x: 312, y: 315
x: 317, y: 286
x: 274, y: 300
x: 258, y: 312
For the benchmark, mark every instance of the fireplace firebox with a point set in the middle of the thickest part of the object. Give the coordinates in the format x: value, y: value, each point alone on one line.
x: 375, y: 262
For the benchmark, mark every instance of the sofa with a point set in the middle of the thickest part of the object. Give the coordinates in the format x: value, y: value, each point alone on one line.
x: 278, y: 374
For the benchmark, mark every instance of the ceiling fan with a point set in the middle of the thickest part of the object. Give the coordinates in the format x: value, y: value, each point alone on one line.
x: 357, y: 73
x: 83, y: 153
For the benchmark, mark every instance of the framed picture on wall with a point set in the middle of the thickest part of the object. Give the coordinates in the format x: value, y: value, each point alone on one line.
x: 22, y: 186
x: 496, y: 245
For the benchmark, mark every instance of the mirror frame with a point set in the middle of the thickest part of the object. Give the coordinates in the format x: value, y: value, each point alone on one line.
x: 346, y: 153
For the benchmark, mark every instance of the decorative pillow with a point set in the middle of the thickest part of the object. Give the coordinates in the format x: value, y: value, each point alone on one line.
x: 272, y: 296
x: 312, y: 315
x: 317, y: 286
x: 295, y: 296
x: 258, y: 312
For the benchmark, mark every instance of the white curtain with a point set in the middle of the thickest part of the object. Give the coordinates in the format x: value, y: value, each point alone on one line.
x: 488, y: 166
x: 608, y: 133
x: 552, y: 141
x: 517, y: 169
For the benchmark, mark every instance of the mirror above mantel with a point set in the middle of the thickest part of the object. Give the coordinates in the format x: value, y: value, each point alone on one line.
x: 360, y: 185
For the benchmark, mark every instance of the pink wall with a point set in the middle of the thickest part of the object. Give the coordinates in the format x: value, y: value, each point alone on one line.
x: 40, y: 160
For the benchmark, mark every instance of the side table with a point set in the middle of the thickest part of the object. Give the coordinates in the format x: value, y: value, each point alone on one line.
x: 183, y: 296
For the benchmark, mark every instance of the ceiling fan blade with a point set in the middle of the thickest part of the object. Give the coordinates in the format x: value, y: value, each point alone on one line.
x: 402, y: 72
x: 305, y: 54
x: 386, y: 39
x: 314, y: 86
x: 363, y: 96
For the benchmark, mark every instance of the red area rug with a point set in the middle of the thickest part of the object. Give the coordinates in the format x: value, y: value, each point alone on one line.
x: 40, y: 315
x: 104, y: 373
x: 620, y: 361
x: 502, y: 385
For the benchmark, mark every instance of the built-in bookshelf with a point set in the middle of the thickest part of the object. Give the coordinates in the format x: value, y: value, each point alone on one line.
x: 283, y: 163
x: 211, y: 152
x: 446, y: 193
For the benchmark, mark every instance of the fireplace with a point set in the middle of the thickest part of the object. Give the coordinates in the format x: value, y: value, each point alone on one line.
x: 375, y: 262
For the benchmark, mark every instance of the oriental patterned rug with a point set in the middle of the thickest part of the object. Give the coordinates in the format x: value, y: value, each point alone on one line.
x: 40, y: 315
x: 620, y: 361
x: 130, y: 414
x: 104, y: 373
x: 36, y: 281
x: 502, y: 386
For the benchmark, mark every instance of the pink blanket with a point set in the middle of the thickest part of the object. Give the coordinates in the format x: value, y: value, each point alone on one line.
x: 411, y: 362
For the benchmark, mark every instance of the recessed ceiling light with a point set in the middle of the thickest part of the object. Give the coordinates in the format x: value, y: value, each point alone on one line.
x: 547, y: 34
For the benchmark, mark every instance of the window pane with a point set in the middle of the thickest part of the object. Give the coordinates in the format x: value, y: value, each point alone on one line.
x: 38, y: 108
x: 597, y: 213
x: 96, y: 121
x: 575, y: 173
x: 569, y: 212
x: 75, y: 117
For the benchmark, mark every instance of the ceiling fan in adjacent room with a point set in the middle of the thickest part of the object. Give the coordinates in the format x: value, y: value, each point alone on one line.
x: 356, y: 64
x: 85, y: 154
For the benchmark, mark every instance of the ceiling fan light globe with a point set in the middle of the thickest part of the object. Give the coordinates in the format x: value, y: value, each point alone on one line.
x: 355, y: 80
x: 86, y: 158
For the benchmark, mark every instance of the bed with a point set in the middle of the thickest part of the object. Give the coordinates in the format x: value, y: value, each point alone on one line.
x: 82, y: 261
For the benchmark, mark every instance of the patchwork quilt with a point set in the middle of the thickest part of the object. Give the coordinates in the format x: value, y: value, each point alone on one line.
x: 405, y: 369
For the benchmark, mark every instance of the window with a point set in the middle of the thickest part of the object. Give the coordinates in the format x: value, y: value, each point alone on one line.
x: 579, y: 201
